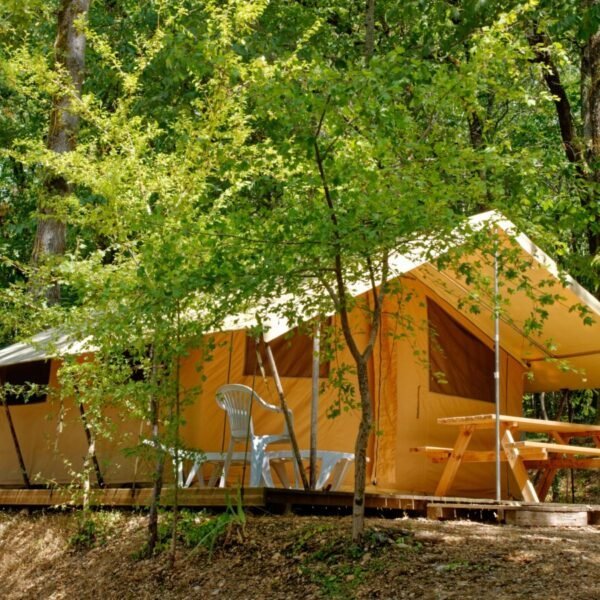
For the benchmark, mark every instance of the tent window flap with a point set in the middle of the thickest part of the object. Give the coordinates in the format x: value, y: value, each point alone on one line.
x: 25, y: 374
x: 459, y: 363
x: 293, y: 356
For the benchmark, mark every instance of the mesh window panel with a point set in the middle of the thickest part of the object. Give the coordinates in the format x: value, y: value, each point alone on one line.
x: 459, y: 363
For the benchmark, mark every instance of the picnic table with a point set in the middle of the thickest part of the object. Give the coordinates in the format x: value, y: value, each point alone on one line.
x: 521, y: 455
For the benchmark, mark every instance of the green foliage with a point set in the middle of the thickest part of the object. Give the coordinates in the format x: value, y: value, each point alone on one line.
x: 93, y: 529
x: 202, y: 530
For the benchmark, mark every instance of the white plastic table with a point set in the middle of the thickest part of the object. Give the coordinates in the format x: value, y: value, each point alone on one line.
x: 332, y: 470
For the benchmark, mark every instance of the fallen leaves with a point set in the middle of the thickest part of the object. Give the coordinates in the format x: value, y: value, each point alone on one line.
x: 287, y: 557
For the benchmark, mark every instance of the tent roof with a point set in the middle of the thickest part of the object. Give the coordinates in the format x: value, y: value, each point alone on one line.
x: 42, y: 346
x: 565, y: 353
x: 572, y: 362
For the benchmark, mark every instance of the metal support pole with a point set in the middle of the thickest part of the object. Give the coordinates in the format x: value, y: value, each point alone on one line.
x: 497, y: 374
x: 314, y: 407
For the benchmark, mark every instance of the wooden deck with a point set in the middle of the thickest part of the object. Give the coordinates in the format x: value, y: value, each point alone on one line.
x: 277, y: 499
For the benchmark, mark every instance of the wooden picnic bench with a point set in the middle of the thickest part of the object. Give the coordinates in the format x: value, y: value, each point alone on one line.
x: 547, y: 456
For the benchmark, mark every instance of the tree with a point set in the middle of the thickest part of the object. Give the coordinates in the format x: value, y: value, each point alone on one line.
x: 62, y: 134
x: 231, y: 152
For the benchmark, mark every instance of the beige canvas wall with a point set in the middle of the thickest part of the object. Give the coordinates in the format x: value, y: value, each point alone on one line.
x: 406, y: 411
x: 53, y: 443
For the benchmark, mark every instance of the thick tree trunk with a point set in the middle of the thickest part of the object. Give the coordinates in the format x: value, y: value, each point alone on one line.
x: 360, y: 451
x: 69, y: 47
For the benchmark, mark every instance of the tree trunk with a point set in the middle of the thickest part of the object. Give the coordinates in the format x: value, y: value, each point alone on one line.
x: 593, y: 113
x: 158, y: 480
x: 360, y: 451
x: 583, y: 153
x: 543, y: 405
x: 369, y: 30
x: 160, y: 459
x: 69, y: 47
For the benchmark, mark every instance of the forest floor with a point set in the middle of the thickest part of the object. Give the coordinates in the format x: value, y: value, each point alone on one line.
x: 287, y: 557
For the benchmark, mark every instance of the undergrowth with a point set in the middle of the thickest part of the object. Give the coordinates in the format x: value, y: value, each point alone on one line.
x: 201, y: 530
x: 338, y: 565
x: 93, y: 528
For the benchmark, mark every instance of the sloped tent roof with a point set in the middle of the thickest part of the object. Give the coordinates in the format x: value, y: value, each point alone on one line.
x: 51, y: 343
x: 573, y: 362
x: 566, y: 352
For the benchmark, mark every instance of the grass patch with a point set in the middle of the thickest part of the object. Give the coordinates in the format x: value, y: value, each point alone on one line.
x: 93, y: 528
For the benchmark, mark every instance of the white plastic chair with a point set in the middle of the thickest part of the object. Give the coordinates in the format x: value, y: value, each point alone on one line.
x: 236, y: 400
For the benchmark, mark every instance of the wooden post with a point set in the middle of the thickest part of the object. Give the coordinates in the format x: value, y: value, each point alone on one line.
x: 15, y: 440
x: 314, y: 406
x: 286, y: 415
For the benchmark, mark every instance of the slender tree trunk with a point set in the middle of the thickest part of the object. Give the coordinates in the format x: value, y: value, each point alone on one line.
x: 158, y: 481
x: 160, y: 461
x: 177, y: 445
x: 360, y: 451
x: 340, y: 298
x: 369, y: 30
x: 69, y: 47
x: 91, y: 440
x: 543, y: 405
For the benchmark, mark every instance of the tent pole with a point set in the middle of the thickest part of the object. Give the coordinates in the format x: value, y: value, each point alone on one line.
x: 497, y: 374
x: 286, y: 416
x: 15, y: 440
x: 314, y: 407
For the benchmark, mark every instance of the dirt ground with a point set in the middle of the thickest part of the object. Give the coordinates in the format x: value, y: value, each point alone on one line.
x: 284, y: 557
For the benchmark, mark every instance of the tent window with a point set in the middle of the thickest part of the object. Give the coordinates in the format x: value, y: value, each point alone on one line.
x: 459, y: 363
x: 25, y: 374
x: 135, y: 364
x: 293, y: 356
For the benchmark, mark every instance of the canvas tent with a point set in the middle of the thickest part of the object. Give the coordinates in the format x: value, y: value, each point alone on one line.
x: 442, y: 368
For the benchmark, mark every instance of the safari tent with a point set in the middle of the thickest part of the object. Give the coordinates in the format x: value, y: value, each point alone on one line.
x: 443, y: 368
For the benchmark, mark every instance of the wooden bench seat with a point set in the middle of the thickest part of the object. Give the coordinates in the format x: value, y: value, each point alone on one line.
x: 565, y: 463
x: 437, y: 454
x: 522, y: 446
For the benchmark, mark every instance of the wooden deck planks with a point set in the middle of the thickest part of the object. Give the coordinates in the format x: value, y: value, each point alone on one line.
x: 270, y: 498
x: 127, y: 497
